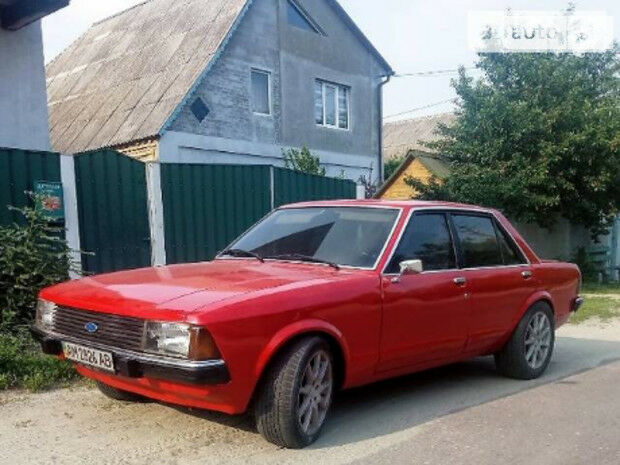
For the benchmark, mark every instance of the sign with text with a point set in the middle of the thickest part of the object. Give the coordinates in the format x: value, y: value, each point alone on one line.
x: 539, y: 31
x: 50, y: 199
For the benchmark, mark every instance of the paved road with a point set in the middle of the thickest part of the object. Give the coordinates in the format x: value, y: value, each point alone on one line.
x: 460, y: 414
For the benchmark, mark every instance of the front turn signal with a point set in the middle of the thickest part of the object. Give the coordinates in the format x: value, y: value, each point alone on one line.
x: 202, y: 346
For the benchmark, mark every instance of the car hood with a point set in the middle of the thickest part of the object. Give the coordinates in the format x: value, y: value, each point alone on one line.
x: 147, y: 292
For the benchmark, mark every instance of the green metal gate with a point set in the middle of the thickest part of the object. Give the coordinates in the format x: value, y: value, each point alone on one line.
x: 292, y: 186
x: 113, y: 211
x: 19, y: 170
x: 207, y: 206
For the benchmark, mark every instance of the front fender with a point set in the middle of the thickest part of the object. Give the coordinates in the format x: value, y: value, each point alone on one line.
x: 293, y: 330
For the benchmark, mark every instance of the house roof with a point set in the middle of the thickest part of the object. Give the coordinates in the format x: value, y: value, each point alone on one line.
x: 435, y: 164
x: 400, y: 137
x: 122, y: 79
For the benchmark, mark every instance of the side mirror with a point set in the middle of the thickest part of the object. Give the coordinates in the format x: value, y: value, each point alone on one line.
x: 411, y: 267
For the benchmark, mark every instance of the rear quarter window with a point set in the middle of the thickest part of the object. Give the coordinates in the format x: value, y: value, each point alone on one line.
x: 478, y: 240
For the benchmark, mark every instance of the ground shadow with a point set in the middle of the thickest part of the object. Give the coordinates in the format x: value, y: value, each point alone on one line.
x: 405, y: 402
x: 398, y: 404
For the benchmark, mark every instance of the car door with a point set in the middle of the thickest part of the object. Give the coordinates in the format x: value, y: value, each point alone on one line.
x: 424, y: 315
x: 499, y: 278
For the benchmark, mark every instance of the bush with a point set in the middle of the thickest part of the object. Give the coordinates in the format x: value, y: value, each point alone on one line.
x: 585, y: 264
x: 22, y: 365
x: 303, y: 161
x: 32, y: 257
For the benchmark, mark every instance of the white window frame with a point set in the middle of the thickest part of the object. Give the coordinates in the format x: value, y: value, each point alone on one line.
x: 270, y: 104
x: 338, y: 88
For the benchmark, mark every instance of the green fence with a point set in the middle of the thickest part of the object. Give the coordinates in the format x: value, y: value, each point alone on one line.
x: 19, y: 170
x: 113, y: 212
x: 207, y: 206
x: 292, y: 186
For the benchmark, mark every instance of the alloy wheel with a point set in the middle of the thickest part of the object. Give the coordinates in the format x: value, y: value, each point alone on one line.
x: 537, y: 340
x: 315, y: 393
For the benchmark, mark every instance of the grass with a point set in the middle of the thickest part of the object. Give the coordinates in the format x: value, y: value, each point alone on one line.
x: 604, y: 308
x: 603, y: 289
x: 23, y: 365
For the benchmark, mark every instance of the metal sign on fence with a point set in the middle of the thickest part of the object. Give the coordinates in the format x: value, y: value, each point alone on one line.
x: 50, y: 199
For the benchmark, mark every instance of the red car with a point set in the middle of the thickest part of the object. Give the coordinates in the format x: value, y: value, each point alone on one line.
x: 316, y: 297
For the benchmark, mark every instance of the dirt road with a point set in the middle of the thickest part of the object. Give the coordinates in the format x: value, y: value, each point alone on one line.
x: 460, y: 414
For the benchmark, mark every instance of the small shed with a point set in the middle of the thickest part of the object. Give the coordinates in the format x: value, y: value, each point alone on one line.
x: 419, y: 165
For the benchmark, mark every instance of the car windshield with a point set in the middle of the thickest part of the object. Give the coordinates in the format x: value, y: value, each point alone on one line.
x: 346, y: 236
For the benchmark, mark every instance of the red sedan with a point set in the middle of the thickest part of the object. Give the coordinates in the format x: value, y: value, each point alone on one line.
x: 316, y: 297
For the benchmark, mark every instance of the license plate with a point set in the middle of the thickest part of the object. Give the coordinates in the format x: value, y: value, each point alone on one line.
x: 87, y: 356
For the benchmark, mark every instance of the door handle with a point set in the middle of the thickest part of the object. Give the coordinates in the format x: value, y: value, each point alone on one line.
x: 526, y: 274
x: 461, y: 281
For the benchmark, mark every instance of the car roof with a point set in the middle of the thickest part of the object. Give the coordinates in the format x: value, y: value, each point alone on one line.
x: 408, y: 204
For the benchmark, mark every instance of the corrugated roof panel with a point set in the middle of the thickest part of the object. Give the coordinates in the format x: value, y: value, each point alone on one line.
x: 402, y: 136
x: 150, y: 55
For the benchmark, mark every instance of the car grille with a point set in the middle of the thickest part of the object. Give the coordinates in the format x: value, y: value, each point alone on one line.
x: 115, y: 331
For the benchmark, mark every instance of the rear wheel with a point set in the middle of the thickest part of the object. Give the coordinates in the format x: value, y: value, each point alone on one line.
x: 528, y: 352
x: 296, y: 395
x: 118, y: 394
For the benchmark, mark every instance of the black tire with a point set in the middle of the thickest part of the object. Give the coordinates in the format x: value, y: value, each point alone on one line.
x: 277, y: 404
x: 118, y: 394
x: 512, y: 360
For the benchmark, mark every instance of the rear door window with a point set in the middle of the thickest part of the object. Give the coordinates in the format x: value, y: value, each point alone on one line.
x: 426, y: 238
x: 478, y: 241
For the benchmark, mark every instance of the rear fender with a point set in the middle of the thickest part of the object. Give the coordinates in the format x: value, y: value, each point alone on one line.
x: 536, y: 297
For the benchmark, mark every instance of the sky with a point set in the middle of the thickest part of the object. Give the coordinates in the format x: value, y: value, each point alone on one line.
x: 413, y: 35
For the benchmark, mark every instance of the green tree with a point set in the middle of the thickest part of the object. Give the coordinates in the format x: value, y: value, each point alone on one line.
x: 538, y: 136
x: 390, y: 166
x: 303, y: 161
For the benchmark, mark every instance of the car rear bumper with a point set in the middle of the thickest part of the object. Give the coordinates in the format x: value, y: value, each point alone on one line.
x: 577, y: 304
x: 136, y: 365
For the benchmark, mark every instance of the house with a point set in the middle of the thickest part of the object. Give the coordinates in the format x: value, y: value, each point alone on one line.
x: 223, y: 81
x: 419, y: 165
x: 23, y: 106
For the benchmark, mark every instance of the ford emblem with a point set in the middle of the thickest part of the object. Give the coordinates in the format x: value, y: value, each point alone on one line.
x: 91, y: 327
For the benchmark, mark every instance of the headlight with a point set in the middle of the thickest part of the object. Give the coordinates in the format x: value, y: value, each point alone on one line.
x: 45, y: 314
x: 167, y: 338
x: 179, y: 340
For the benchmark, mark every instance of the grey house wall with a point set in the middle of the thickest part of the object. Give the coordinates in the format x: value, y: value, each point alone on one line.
x: 231, y: 133
x: 23, y: 101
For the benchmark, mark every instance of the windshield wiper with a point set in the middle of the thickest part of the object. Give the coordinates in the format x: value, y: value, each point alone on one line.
x: 242, y: 253
x: 303, y: 258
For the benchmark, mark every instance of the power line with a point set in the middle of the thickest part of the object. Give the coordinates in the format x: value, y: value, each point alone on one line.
x: 413, y: 110
x: 438, y: 72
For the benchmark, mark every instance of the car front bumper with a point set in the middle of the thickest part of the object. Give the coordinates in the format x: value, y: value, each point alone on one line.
x: 137, y: 365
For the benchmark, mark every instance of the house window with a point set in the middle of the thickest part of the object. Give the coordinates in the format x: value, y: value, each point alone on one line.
x: 331, y: 105
x: 261, y: 92
x: 299, y: 18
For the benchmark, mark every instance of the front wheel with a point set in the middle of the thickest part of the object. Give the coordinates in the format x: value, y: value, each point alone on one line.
x: 528, y: 352
x: 295, y: 397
